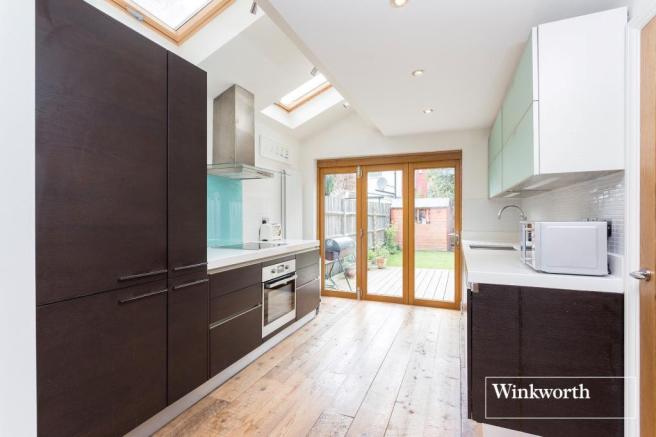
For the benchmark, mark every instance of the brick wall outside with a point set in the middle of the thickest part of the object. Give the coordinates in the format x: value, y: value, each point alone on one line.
x: 428, y: 236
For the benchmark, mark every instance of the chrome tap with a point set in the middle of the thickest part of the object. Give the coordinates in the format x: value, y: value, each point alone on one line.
x: 522, y: 214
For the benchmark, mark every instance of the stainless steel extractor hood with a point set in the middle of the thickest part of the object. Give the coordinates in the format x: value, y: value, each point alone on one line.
x: 233, y: 148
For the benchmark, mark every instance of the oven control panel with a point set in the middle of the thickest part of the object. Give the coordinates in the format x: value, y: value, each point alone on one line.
x: 278, y: 270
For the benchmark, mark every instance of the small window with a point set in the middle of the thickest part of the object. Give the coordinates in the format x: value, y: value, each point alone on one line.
x: 177, y: 20
x: 304, y: 93
x: 422, y: 216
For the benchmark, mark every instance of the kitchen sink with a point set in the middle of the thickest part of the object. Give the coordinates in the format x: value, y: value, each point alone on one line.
x: 490, y: 247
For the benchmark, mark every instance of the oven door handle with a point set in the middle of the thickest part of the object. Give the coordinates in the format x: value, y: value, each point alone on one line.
x: 282, y: 282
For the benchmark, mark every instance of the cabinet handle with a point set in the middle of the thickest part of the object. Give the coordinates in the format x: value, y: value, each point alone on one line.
x: 189, y: 267
x: 141, y: 296
x: 142, y: 275
x: 234, y: 316
x: 190, y: 284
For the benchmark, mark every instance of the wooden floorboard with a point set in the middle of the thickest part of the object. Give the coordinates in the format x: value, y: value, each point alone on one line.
x: 359, y: 368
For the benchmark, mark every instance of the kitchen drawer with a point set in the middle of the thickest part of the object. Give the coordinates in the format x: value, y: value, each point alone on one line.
x: 278, y: 260
x: 306, y: 259
x: 236, y: 302
x: 308, y: 298
x: 234, y: 338
x: 307, y: 274
x: 236, y: 279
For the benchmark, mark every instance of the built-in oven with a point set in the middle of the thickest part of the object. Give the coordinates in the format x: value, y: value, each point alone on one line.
x: 278, y: 296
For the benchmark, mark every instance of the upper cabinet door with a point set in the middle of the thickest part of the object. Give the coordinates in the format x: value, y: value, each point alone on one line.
x: 519, y: 153
x: 522, y: 91
x: 100, y: 153
x: 187, y: 167
x: 582, y: 93
x: 495, y: 142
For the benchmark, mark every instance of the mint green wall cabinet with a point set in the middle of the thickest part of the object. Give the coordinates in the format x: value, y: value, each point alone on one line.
x: 495, y: 142
x: 517, y: 153
x: 495, y: 174
x: 521, y: 92
x: 494, y: 157
x: 562, y: 118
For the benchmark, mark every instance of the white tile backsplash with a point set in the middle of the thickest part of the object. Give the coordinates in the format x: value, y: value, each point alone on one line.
x: 601, y: 199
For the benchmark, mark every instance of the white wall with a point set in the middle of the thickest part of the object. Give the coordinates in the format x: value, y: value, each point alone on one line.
x: 351, y: 136
x: 262, y: 198
x: 17, y: 272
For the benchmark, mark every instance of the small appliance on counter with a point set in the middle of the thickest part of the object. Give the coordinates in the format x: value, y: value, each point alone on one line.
x: 270, y: 231
x: 573, y: 248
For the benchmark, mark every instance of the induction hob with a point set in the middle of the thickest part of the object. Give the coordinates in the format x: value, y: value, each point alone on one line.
x: 252, y: 246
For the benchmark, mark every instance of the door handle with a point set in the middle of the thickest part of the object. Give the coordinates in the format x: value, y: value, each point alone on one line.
x: 141, y: 296
x: 189, y: 267
x: 641, y: 275
x: 142, y: 275
x: 190, y: 284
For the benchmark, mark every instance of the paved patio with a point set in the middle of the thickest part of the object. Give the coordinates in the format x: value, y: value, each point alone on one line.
x: 430, y: 284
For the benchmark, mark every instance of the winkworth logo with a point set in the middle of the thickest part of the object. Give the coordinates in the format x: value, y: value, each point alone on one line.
x: 511, y: 391
x: 553, y: 397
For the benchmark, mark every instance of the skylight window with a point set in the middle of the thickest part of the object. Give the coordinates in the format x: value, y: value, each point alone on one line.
x: 173, y: 13
x: 304, y: 93
x: 175, y: 19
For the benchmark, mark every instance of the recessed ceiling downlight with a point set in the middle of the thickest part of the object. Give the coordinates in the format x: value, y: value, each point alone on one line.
x: 418, y: 72
x: 428, y: 110
x: 399, y: 3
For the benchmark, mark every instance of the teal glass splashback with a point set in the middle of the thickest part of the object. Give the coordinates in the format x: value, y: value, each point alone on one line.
x: 224, y: 211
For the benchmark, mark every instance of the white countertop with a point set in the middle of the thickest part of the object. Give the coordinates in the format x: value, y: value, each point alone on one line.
x: 224, y: 259
x: 506, y: 268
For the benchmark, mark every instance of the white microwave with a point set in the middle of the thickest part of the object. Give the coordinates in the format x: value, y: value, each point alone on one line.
x: 573, y: 248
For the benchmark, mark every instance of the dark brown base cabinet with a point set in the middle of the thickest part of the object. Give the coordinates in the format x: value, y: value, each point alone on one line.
x: 188, y: 314
x: 530, y: 332
x: 308, y: 285
x: 235, y: 337
x: 102, y: 362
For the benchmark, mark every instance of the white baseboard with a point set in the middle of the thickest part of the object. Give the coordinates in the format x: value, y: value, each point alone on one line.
x: 159, y: 420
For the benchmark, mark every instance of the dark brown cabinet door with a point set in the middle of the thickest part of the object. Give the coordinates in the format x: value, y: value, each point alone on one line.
x: 187, y: 166
x: 100, y: 153
x: 234, y: 338
x: 188, y: 323
x: 574, y: 333
x: 308, y: 298
x: 101, y: 362
x: 495, y: 341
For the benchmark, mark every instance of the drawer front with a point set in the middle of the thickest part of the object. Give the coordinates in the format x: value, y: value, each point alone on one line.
x: 307, y: 274
x: 231, y: 280
x: 308, y: 298
x: 307, y: 259
x: 236, y: 302
x: 234, y: 338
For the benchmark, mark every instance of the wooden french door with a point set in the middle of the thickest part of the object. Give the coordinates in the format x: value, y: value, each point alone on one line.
x: 434, y: 234
x: 389, y: 228
x: 647, y: 230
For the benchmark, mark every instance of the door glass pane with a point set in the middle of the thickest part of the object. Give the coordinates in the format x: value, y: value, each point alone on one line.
x: 340, y: 242
x: 434, y: 224
x: 385, y: 233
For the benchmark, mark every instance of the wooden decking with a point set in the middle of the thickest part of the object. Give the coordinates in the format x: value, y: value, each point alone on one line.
x: 359, y: 368
x: 430, y: 284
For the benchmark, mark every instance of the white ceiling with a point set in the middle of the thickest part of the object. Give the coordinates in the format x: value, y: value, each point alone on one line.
x: 468, y: 48
x: 266, y: 62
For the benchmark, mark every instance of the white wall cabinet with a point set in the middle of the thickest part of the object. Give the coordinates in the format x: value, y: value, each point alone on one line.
x: 562, y: 119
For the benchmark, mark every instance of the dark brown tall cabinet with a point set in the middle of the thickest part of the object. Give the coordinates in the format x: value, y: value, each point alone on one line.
x: 122, y: 290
